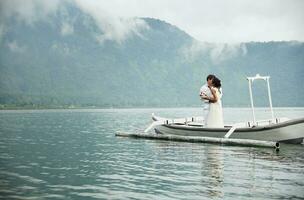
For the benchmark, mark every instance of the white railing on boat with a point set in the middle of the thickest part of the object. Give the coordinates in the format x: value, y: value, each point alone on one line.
x: 250, y: 82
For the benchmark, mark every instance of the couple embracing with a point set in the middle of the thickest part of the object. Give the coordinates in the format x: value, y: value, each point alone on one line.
x: 211, y: 94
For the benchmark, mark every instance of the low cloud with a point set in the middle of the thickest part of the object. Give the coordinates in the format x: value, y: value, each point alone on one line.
x: 216, y: 52
x: 15, y: 47
x: 206, y: 20
x: 28, y: 11
x: 219, y: 21
x: 120, y: 29
x: 195, y: 50
x: 67, y: 29
x: 223, y: 52
x: 113, y: 27
x: 25, y: 11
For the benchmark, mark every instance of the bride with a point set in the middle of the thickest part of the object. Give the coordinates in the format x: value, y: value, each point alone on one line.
x: 215, y: 114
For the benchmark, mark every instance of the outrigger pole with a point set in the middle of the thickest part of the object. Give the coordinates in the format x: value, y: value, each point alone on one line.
x: 250, y: 81
x: 198, y: 139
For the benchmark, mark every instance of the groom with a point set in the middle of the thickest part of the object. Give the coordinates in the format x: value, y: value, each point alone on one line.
x: 205, y: 92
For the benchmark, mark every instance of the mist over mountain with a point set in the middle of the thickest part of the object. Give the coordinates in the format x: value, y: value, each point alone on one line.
x: 75, y: 57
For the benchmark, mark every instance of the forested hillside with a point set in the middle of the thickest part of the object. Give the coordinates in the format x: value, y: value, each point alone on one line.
x: 47, y: 65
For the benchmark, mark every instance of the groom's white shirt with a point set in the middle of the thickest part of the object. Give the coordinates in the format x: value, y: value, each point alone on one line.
x: 204, y: 89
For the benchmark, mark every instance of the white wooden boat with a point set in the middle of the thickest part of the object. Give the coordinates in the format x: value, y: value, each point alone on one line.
x: 274, y: 129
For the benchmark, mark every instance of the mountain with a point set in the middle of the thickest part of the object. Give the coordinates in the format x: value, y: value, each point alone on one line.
x: 69, y: 59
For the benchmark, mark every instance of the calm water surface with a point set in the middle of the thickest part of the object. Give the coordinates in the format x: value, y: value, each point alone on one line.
x: 73, y: 154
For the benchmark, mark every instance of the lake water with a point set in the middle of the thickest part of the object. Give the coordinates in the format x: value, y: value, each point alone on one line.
x: 74, y: 154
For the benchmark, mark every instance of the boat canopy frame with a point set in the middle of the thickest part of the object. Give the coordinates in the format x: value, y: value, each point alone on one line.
x: 250, y: 82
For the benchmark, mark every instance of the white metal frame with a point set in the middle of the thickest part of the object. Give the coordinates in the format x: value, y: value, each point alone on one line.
x: 250, y: 82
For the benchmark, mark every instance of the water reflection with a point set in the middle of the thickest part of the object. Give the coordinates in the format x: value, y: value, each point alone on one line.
x: 214, y: 166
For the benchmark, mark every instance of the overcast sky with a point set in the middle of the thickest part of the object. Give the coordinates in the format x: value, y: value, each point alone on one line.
x: 219, y: 20
x: 229, y: 21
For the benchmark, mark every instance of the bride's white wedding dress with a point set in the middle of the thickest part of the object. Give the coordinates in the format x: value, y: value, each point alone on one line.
x: 215, y: 115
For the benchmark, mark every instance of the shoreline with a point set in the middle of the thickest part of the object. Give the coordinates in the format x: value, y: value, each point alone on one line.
x: 133, y: 107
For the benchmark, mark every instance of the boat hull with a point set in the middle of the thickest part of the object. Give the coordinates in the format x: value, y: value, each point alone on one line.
x: 291, y: 131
